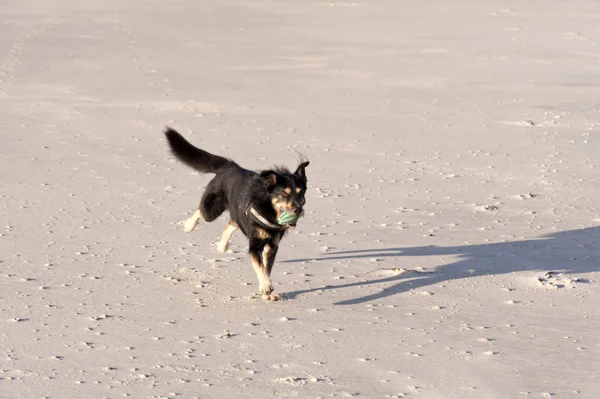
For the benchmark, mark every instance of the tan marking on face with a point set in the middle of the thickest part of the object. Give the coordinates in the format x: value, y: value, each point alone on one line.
x: 280, y: 205
x: 287, y: 190
x: 298, y: 190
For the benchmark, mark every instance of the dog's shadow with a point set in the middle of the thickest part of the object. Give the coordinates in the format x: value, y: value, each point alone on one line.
x: 571, y: 252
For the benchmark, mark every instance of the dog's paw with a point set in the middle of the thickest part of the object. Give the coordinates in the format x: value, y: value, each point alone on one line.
x: 267, y: 289
x: 189, y: 226
x: 270, y: 297
x: 192, y: 221
x: 222, y: 248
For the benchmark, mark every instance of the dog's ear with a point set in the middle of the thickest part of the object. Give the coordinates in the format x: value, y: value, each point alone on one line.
x: 300, y: 171
x: 270, y: 178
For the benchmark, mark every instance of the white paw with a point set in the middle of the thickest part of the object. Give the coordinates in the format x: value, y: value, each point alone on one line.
x: 266, y: 288
x: 189, y: 225
x: 270, y: 297
x: 222, y: 248
x: 191, y: 222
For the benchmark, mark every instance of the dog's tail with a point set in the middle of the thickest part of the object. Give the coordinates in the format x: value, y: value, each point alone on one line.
x: 194, y: 157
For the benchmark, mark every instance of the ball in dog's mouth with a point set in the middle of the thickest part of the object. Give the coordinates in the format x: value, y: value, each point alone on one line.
x: 285, y: 218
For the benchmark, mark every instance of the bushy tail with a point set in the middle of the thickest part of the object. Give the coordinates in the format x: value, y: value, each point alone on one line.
x: 194, y: 157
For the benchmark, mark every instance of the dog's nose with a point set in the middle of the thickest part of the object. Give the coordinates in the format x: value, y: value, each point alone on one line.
x: 297, y: 209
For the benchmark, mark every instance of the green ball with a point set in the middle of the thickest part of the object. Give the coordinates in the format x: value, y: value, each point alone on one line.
x: 285, y: 218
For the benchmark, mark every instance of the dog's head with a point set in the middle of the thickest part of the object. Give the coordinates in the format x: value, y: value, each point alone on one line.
x: 286, y: 190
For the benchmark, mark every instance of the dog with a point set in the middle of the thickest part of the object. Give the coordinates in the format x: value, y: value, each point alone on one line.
x: 264, y: 205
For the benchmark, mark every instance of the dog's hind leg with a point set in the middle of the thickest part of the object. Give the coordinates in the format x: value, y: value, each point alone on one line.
x: 229, y: 230
x: 192, y: 221
x: 213, y: 202
x: 212, y: 205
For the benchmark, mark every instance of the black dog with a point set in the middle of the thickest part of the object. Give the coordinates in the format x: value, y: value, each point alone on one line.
x: 263, y: 205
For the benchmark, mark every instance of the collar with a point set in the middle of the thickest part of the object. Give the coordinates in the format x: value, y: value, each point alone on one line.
x: 260, y: 219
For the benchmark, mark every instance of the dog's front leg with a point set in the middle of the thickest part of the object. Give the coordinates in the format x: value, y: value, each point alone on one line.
x: 268, y: 257
x: 269, y: 253
x: 256, y: 257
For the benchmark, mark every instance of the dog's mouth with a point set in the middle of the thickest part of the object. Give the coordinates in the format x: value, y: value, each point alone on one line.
x: 287, y: 216
x: 285, y: 219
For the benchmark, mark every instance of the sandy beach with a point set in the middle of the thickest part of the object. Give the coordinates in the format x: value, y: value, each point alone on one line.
x: 451, y: 243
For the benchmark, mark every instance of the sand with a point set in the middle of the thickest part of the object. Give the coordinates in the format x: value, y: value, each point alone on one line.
x: 451, y: 243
